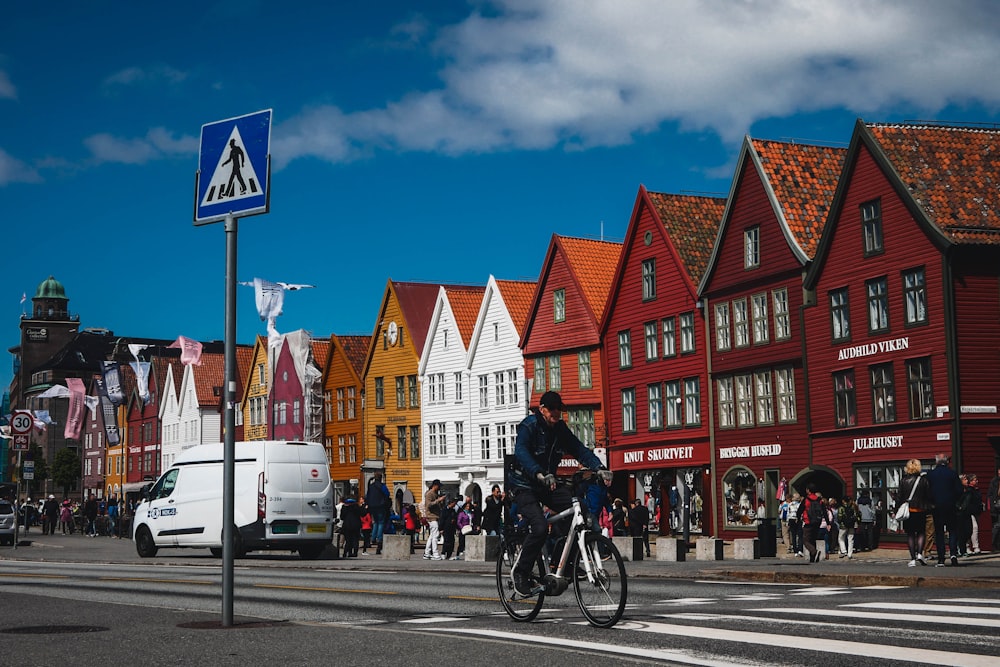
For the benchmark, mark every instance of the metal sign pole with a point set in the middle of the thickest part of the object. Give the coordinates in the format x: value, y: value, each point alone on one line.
x: 17, y: 504
x: 229, y: 439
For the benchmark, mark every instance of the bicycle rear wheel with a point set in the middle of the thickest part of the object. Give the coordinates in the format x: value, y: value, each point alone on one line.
x: 603, y: 600
x: 518, y: 607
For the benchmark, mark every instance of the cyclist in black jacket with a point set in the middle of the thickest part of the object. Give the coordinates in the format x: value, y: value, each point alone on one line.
x: 542, y: 439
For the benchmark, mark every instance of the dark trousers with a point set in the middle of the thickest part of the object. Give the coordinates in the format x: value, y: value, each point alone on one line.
x: 529, y: 504
x: 945, y: 520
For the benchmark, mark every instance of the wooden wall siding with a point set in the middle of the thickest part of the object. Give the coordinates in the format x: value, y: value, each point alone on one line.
x: 389, y: 361
x: 579, y: 329
x: 286, y: 388
x: 750, y: 207
x: 340, y: 375
x: 977, y: 313
x: 255, y: 389
x: 906, y: 247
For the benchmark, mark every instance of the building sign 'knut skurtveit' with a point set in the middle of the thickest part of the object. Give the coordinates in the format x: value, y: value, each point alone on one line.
x: 870, y: 349
x: 878, y: 442
x: 748, y: 451
x: 659, y: 454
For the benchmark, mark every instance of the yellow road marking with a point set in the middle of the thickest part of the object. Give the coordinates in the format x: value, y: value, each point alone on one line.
x: 470, y: 597
x: 325, y: 590
x: 161, y: 581
x: 33, y: 576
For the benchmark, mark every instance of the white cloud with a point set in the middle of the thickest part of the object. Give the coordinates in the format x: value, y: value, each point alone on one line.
x: 541, y: 73
x: 158, y: 143
x: 135, y: 75
x: 7, y: 90
x: 13, y: 170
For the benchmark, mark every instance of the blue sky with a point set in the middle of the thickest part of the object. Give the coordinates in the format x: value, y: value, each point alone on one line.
x: 430, y: 141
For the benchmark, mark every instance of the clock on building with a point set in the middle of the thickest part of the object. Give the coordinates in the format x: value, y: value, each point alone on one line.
x: 393, y: 333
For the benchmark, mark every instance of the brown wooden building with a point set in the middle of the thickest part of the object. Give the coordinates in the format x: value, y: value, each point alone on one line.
x: 343, y: 396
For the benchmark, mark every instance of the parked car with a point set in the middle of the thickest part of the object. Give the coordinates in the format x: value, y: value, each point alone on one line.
x: 6, y: 522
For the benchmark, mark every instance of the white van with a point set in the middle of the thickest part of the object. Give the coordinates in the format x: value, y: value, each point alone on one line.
x: 283, y: 500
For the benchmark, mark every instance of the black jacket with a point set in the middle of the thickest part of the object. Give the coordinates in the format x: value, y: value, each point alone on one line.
x: 539, y: 448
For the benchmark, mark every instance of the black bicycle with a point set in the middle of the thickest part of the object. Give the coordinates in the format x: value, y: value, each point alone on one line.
x: 587, y: 559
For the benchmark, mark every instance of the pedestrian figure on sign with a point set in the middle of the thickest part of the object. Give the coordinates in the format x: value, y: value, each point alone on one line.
x: 238, y: 159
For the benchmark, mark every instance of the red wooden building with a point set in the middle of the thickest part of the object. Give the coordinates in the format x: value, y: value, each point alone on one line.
x: 902, y: 348
x: 752, y: 294
x: 561, y: 340
x: 655, y: 362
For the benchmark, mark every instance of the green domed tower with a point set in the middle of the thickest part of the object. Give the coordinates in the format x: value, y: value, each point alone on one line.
x: 44, y: 331
x: 50, y: 302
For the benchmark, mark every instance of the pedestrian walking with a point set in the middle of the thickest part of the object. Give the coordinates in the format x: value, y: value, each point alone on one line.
x: 377, y: 497
x: 969, y: 504
x: 847, y: 517
x: 366, y: 528
x: 866, y: 516
x: 993, y: 505
x: 448, y: 525
x: 794, y: 525
x: 350, y: 526
x: 915, y: 488
x: 433, y: 502
x: 638, y: 521
x: 945, y: 488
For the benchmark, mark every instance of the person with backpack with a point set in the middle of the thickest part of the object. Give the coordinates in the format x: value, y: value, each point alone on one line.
x: 377, y: 499
x: 847, y: 517
x: 794, y: 525
x: 812, y: 514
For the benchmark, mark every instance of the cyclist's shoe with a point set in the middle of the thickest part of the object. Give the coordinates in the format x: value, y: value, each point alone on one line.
x: 522, y: 583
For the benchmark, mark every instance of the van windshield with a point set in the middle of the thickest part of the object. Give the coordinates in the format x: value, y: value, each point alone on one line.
x: 165, y: 485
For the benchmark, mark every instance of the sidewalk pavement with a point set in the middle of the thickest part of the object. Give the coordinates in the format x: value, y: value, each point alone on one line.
x: 884, y: 566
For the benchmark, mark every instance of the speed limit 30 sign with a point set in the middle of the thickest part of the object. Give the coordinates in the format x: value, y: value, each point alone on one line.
x: 21, y: 423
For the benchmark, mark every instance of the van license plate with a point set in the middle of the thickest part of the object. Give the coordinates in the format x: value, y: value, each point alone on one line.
x: 316, y: 528
x: 285, y: 529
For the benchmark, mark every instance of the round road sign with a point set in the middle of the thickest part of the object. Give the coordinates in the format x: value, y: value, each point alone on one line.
x: 21, y: 422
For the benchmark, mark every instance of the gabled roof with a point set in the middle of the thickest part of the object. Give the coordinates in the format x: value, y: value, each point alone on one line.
x: 465, y: 302
x: 517, y: 297
x: 208, y: 378
x: 800, y: 181
x: 691, y: 222
x: 593, y: 265
x: 951, y: 173
x: 321, y: 351
x: 355, y: 348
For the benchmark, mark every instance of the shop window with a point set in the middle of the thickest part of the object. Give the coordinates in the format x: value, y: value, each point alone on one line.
x: 880, y: 484
x: 918, y: 378
x: 739, y: 488
x: 845, y: 404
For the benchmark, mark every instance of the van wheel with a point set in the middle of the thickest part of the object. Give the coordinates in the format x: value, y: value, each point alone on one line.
x: 216, y: 551
x: 239, y: 550
x: 144, y: 544
x: 311, y: 552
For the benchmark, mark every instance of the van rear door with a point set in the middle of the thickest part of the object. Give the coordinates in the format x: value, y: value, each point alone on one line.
x: 299, y: 494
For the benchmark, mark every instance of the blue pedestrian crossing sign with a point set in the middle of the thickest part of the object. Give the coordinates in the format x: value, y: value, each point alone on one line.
x: 234, y: 168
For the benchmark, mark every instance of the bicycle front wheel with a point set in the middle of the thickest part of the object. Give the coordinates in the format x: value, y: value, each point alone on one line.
x: 518, y: 607
x: 602, y: 600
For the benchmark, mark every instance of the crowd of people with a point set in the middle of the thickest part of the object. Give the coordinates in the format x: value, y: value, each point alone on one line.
x: 941, y: 521
x: 92, y: 517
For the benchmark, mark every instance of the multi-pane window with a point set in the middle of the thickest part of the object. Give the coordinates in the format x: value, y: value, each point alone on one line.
x: 871, y: 226
x: 648, y: 279
x: 651, y: 337
x: 433, y: 395
x: 687, y: 332
x: 432, y: 439
x: 340, y: 404
x: 502, y: 445
x: 584, y: 370
x: 672, y: 403
x: 918, y: 380
x: 352, y: 448
x: 883, y: 394
x: 669, y: 325
x: 782, y: 322
x: 438, y: 378
x: 379, y: 392
x: 484, y: 392
x: 555, y: 373
x: 655, y: 406
x: 785, y: 380
x: 845, y: 401
x: 878, y: 304
x: 341, y: 449
x: 351, y: 407
x: 727, y: 416
x: 751, y: 248
x: 914, y: 296
x: 692, y: 401
x: 744, y: 400
x: 500, y: 389
x: 723, y: 340
x: 624, y: 349
x: 459, y: 438
x: 458, y: 387
x: 411, y: 385
x: 484, y: 443
x: 741, y: 325
x: 512, y: 390
x: 581, y: 424
x: 401, y: 442
x: 760, y: 319
x: 840, y: 316
x: 414, y: 442
x: 559, y: 305
x: 539, y: 374
x: 765, y: 400
x: 443, y: 438
x: 296, y: 411
x: 400, y: 391
x: 380, y: 443
x: 628, y: 410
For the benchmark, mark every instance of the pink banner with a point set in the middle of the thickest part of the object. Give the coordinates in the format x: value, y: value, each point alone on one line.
x: 190, y: 350
x: 74, y: 418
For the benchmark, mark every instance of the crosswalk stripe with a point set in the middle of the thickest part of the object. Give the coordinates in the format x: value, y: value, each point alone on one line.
x: 938, y: 608
x: 886, y: 616
x: 887, y: 652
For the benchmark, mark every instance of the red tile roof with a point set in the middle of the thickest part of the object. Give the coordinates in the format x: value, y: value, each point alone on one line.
x: 804, y: 179
x: 208, y: 378
x: 952, y: 173
x: 593, y: 264
x: 517, y: 295
x: 355, y: 350
x: 692, y: 223
x: 465, y: 303
x: 416, y: 301
x: 320, y: 350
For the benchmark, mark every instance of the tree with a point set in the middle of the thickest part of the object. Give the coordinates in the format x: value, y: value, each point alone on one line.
x: 66, y: 469
x: 41, y: 468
